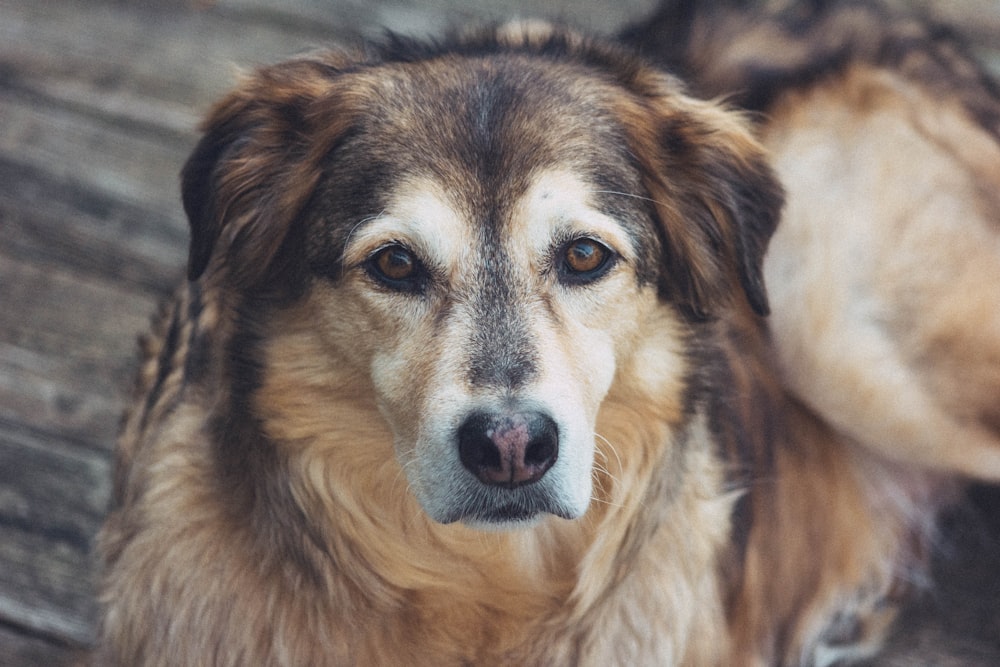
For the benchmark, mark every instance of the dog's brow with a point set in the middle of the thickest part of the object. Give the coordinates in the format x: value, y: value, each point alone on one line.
x: 358, y: 225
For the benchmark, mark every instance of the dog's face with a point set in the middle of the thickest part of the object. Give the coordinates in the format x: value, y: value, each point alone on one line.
x: 484, y: 237
x: 491, y: 342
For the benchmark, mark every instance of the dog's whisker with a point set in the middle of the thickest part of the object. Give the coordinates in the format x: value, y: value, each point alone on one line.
x: 629, y: 195
x: 601, y: 475
x: 605, y: 501
x: 611, y: 447
x: 358, y: 225
x: 404, y: 464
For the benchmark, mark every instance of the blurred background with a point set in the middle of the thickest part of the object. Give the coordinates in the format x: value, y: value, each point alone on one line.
x: 99, y: 104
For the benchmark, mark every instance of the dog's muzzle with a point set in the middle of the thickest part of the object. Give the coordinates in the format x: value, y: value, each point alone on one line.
x: 508, y: 449
x: 506, y: 471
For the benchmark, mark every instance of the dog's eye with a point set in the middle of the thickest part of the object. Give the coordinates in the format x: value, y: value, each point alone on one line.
x: 398, y: 268
x: 584, y: 260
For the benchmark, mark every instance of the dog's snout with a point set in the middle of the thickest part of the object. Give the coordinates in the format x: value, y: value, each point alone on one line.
x: 508, y: 449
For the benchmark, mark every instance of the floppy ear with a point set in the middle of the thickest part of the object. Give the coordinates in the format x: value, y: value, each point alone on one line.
x: 715, y: 196
x: 257, y: 165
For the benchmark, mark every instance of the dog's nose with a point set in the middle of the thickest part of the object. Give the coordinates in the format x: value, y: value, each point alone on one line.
x: 508, y: 449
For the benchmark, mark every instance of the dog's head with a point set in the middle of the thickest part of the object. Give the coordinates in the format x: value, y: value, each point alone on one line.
x: 485, y: 232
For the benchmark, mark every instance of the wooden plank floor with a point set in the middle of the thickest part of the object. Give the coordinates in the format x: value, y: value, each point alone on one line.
x: 98, y: 104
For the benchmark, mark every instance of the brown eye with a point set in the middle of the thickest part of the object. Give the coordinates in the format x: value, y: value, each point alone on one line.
x: 396, y: 267
x: 584, y: 260
x: 395, y: 263
x: 584, y: 255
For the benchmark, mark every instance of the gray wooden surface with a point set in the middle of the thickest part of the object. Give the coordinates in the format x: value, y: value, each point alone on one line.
x: 98, y: 104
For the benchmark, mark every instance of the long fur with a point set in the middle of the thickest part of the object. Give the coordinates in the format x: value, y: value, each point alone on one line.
x: 278, y: 491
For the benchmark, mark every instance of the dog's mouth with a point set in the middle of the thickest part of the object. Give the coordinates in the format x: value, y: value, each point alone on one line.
x: 508, y: 514
x: 507, y: 508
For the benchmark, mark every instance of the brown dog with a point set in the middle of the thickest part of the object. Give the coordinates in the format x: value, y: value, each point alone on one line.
x: 472, y: 368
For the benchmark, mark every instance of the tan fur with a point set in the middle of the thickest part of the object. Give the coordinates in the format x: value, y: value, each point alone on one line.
x: 288, y: 490
x: 900, y: 252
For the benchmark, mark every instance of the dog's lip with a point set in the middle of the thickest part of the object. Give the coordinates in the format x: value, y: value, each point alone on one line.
x: 507, y: 514
x: 502, y: 517
x: 511, y: 512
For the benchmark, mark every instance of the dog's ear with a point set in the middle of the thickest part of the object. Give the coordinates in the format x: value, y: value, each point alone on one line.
x: 257, y: 165
x: 715, y: 196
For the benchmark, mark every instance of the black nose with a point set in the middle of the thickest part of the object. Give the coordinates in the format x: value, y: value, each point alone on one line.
x: 508, y: 449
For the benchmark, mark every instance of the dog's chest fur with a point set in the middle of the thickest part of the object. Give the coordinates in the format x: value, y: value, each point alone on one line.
x: 380, y: 583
